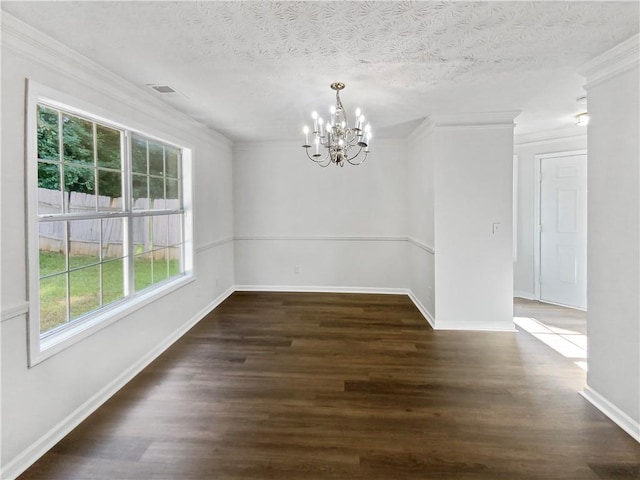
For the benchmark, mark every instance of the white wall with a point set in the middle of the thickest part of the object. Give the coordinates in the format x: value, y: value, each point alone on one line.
x: 526, y: 148
x: 459, y: 184
x: 41, y: 403
x: 420, y: 188
x: 473, y: 191
x: 613, y: 252
x: 343, y: 227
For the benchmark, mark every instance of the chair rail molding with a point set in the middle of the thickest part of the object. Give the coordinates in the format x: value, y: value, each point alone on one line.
x: 214, y: 244
x: 333, y: 238
x: 14, y: 311
x: 421, y: 245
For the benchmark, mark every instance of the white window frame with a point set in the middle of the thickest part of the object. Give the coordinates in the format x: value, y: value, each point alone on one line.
x: 42, y: 348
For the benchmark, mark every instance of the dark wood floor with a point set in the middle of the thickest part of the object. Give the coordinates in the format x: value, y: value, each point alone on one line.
x: 338, y: 386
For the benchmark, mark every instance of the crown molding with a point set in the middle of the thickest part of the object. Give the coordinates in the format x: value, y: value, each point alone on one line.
x: 544, y: 136
x: 612, y: 63
x: 29, y: 43
x: 466, y: 121
x: 422, y: 131
x: 475, y: 119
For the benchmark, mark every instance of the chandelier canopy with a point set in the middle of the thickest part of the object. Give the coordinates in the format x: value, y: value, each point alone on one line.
x: 337, y: 142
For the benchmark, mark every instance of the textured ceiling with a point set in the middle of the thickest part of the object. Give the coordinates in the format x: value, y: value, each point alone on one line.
x: 254, y: 70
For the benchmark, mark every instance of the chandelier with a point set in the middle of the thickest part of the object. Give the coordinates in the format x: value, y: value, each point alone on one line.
x: 337, y: 142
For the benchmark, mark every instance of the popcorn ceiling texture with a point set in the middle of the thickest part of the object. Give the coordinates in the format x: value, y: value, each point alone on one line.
x: 241, y: 64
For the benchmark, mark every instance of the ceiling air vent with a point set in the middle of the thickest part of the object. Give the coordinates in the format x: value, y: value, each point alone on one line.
x: 163, y: 88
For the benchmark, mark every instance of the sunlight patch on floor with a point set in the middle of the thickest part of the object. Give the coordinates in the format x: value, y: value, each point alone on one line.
x: 572, y: 345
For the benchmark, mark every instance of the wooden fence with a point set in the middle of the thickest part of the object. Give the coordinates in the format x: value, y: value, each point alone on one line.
x: 155, y: 234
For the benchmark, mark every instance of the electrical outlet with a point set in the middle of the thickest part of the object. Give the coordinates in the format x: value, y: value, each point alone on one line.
x: 296, y: 269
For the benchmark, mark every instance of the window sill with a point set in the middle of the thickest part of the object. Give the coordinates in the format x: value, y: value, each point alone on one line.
x: 49, y: 346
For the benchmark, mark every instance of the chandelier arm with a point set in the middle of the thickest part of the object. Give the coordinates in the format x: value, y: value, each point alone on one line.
x: 313, y: 159
x: 361, y: 161
x: 327, y: 158
x: 359, y: 151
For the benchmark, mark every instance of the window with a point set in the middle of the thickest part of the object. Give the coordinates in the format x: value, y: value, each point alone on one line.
x: 109, y: 204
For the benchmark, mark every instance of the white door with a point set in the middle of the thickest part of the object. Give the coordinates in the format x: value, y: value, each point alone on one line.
x: 563, y: 230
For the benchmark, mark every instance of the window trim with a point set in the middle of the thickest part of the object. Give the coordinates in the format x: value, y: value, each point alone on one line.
x: 40, y: 348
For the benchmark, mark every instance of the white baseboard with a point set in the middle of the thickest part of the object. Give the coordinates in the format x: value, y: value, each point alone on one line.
x: 497, y: 327
x: 582, y: 309
x: 423, y: 310
x: 624, y: 421
x: 323, y: 289
x: 473, y: 327
x: 32, y: 453
x: 333, y: 289
x: 523, y: 294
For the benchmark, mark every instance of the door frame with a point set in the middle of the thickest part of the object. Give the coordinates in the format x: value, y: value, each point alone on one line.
x: 537, y: 202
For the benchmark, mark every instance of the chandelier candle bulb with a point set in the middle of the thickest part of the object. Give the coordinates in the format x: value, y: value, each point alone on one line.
x: 343, y: 143
x: 306, y: 136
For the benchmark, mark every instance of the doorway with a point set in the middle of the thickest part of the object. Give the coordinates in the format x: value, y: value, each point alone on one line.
x: 561, y: 217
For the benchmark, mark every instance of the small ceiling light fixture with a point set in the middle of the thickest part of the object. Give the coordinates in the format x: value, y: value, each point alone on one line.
x: 342, y: 142
x: 582, y: 119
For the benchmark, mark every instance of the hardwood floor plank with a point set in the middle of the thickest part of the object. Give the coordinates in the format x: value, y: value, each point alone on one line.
x: 345, y: 386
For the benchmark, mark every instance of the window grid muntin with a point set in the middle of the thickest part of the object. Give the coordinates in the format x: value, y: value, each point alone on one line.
x: 127, y: 214
x: 150, y: 177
